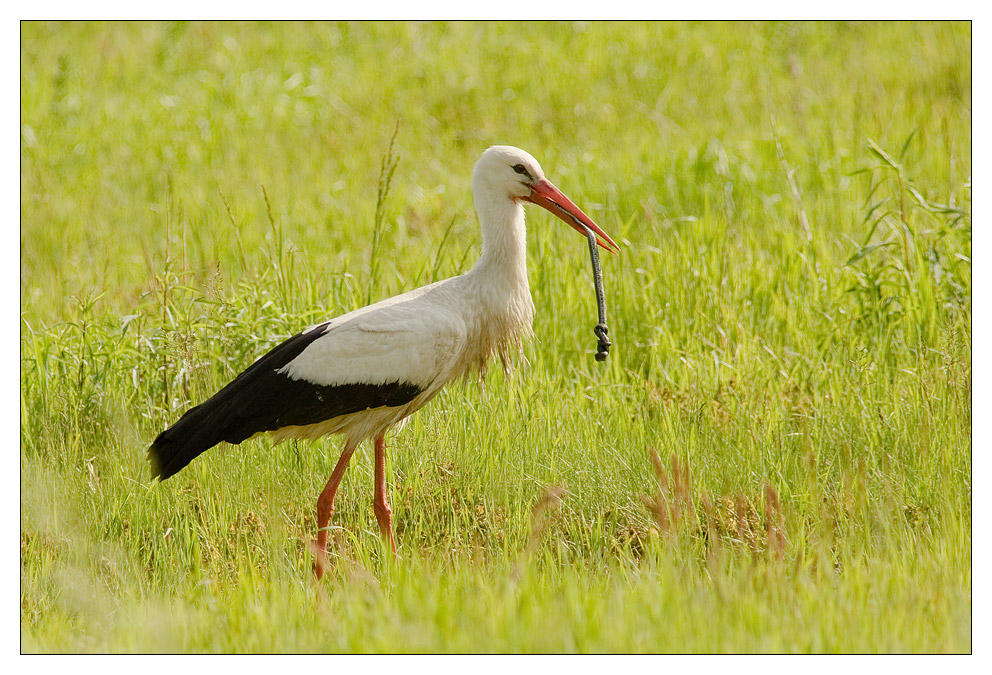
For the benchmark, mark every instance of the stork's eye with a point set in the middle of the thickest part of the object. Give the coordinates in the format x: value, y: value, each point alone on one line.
x: 519, y: 168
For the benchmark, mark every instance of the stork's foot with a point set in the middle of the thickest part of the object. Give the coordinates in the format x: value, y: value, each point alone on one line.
x: 319, y: 551
x: 384, y: 516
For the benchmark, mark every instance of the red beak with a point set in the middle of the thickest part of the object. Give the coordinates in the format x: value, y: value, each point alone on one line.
x: 543, y: 193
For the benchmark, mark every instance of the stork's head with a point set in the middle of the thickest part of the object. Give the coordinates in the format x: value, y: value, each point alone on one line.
x: 507, y: 172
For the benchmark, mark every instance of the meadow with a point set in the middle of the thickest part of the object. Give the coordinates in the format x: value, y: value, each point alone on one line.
x: 775, y: 458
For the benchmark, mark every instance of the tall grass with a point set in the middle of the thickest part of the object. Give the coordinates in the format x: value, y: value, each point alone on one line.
x: 776, y: 456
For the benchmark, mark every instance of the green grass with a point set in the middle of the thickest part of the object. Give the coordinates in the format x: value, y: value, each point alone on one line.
x: 791, y: 316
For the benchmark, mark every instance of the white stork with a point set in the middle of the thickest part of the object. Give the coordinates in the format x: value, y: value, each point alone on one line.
x: 363, y: 372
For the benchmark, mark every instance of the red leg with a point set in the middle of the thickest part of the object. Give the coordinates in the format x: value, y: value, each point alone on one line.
x: 325, y: 507
x: 383, y: 514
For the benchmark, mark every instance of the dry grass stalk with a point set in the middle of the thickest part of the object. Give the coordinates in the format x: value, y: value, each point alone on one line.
x: 774, y: 523
x: 551, y: 498
x: 683, y: 484
x: 725, y: 521
x: 748, y: 525
x: 658, y: 508
x: 674, y: 497
x: 659, y: 469
x: 712, y: 527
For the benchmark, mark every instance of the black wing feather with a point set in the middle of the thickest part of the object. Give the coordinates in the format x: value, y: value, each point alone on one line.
x: 261, y: 399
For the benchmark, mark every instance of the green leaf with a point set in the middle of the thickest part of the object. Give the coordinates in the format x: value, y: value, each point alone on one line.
x: 867, y: 250
x: 877, y: 150
x: 909, y: 139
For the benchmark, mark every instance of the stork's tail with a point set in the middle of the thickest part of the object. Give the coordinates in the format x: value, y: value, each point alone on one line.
x: 183, y: 442
x: 252, y: 402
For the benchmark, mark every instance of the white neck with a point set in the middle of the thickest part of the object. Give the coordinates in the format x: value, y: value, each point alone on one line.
x: 498, y: 309
x: 503, y: 263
